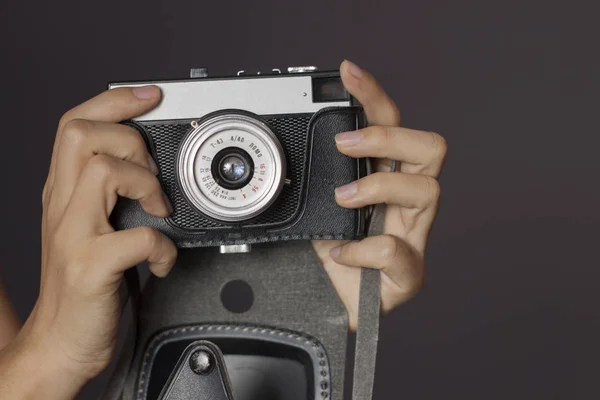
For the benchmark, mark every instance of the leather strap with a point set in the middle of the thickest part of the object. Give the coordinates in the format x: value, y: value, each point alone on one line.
x: 369, y: 313
x: 367, y: 333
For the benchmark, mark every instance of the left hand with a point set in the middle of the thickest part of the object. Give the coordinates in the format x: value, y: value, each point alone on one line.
x: 411, y: 193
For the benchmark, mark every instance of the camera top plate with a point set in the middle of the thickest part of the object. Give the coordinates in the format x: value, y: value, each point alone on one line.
x: 301, y: 90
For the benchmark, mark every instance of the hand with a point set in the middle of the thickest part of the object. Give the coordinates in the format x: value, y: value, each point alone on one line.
x: 411, y: 193
x: 9, y: 322
x: 73, y: 327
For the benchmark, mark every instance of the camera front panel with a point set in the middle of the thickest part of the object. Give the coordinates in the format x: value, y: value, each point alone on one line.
x: 305, y: 209
x: 164, y: 140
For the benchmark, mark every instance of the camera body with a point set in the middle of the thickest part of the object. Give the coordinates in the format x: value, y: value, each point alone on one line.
x: 250, y: 158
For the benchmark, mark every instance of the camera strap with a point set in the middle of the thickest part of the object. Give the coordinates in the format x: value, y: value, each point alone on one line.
x: 369, y: 312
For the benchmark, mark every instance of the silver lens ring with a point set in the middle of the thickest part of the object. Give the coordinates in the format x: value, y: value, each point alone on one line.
x: 215, y: 136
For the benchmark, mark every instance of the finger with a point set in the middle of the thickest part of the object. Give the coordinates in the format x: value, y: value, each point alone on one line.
x: 82, y: 139
x: 397, y: 259
x: 405, y: 190
x: 103, y: 179
x: 115, y: 105
x: 379, y: 107
x: 424, y: 149
x: 122, y: 250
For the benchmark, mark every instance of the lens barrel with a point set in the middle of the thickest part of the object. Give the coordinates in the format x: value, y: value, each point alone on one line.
x: 231, y: 167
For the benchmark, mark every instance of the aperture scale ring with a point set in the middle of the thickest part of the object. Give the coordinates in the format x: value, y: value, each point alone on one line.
x: 219, y: 132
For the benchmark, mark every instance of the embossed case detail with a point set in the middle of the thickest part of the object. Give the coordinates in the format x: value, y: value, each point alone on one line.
x: 306, y: 208
x: 292, y: 362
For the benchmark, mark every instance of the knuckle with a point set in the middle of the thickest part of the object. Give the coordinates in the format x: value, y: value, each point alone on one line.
x: 64, y: 119
x: 76, y: 131
x: 349, y: 251
x: 383, y: 185
x: 100, y: 167
x: 153, y: 187
x: 374, y: 186
x: 433, y: 190
x: 149, y: 237
x: 387, y: 134
x: 149, y: 185
x: 389, y: 248
x: 414, y: 283
x: 153, y: 182
x: 396, y: 114
x: 136, y: 141
x: 171, y: 254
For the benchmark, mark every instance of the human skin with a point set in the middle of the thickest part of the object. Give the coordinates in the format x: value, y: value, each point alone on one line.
x: 411, y: 193
x: 71, y: 334
x: 9, y: 322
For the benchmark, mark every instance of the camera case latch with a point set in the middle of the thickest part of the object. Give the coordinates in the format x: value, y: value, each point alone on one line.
x: 200, y: 374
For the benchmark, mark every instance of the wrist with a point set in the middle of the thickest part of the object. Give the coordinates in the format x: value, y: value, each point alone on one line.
x: 31, y: 369
x: 64, y: 346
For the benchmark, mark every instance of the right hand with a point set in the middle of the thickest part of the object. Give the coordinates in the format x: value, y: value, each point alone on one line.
x: 75, y: 320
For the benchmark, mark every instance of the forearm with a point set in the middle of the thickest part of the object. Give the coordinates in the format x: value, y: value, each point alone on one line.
x: 29, y: 372
x: 9, y: 322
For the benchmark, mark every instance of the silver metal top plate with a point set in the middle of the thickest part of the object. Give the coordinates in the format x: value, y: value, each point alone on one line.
x: 263, y: 96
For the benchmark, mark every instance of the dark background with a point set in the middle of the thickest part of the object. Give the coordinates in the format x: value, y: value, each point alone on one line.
x: 510, y: 307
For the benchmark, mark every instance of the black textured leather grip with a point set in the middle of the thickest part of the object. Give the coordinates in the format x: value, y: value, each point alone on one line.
x: 318, y: 216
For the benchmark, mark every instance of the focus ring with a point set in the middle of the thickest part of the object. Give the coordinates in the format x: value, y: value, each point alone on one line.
x: 246, y: 138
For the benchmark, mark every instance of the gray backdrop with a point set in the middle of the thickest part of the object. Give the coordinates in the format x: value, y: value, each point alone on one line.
x: 510, y: 307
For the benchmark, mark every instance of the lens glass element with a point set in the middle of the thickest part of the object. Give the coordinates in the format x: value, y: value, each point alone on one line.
x: 233, y: 168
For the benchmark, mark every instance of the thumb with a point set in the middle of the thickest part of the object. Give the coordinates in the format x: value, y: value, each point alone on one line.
x: 115, y: 105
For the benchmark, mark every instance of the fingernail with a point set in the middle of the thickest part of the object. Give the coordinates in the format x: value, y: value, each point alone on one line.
x: 346, y: 191
x: 168, y: 204
x: 335, y: 252
x: 152, y: 165
x: 355, y: 70
x: 348, y: 138
x: 146, y: 92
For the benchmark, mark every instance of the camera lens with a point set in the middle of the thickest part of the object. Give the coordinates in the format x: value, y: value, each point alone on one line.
x: 231, y: 167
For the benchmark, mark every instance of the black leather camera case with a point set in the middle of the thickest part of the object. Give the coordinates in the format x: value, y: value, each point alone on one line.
x: 306, y: 208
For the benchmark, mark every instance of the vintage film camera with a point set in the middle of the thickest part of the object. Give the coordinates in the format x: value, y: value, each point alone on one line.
x: 250, y: 159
